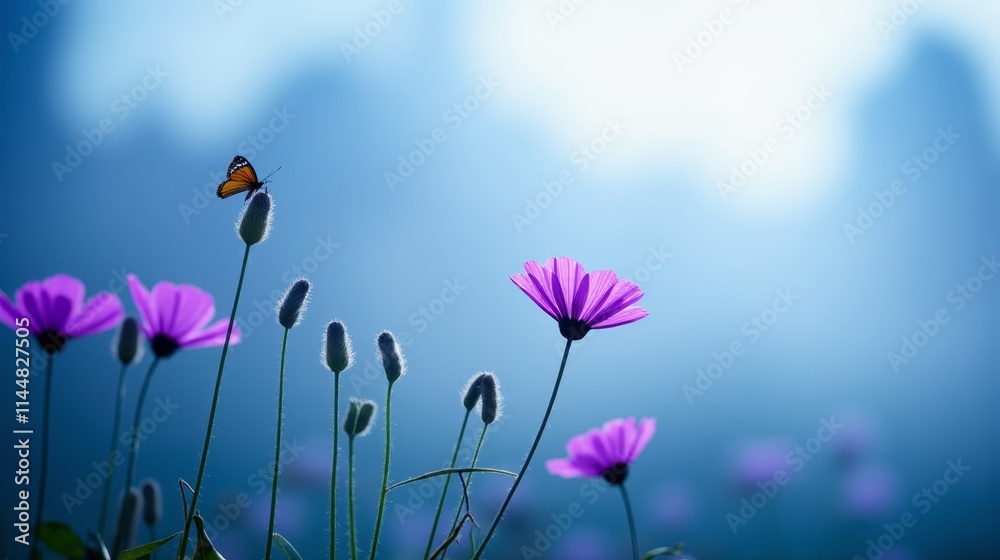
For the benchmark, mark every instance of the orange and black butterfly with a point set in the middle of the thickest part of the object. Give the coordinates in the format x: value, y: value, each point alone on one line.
x: 241, y: 177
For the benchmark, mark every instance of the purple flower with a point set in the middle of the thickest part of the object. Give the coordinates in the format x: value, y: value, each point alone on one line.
x: 175, y: 316
x: 56, y: 311
x: 580, y: 301
x: 605, y: 452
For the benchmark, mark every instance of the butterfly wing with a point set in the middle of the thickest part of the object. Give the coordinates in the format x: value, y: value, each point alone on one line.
x: 240, y: 177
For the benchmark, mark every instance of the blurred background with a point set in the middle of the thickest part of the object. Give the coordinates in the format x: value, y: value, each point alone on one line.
x: 800, y: 189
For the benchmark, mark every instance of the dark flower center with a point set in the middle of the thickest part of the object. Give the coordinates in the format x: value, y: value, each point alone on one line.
x: 616, y: 474
x: 52, y: 341
x: 573, y: 329
x: 163, y: 345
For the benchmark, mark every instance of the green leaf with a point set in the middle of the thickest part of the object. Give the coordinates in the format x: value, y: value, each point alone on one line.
x: 451, y: 471
x: 204, y: 549
x: 61, y: 540
x: 664, y: 551
x: 287, y: 547
x: 142, y: 552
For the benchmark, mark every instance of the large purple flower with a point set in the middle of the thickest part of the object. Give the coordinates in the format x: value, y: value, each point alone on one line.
x: 578, y: 300
x: 175, y: 316
x: 605, y: 452
x: 56, y: 311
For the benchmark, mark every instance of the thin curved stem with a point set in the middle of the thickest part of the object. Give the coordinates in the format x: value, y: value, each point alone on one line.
x: 133, y: 450
x: 115, y: 426
x: 531, y: 453
x: 631, y: 522
x: 333, y: 476
x: 468, y: 483
x: 277, y: 449
x: 350, y: 496
x: 43, y: 472
x: 385, y: 470
x: 447, y: 480
x: 182, y: 549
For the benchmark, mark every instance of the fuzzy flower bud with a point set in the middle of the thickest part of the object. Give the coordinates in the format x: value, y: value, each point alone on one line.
x: 293, y: 303
x: 254, y: 223
x: 127, y: 347
x: 360, y: 417
x: 391, y: 356
x: 128, y: 521
x: 152, y: 501
x: 471, y: 391
x: 337, y: 352
x: 491, y: 400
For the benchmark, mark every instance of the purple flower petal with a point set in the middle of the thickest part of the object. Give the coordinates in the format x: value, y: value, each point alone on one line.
x: 214, y: 335
x: 29, y: 299
x: 528, y: 286
x: 144, y: 303
x: 623, y: 317
x: 541, y: 278
x: 601, y: 284
x: 102, y: 312
x: 194, y: 310
x: 68, y: 287
x: 567, y: 469
x: 644, y: 433
x: 566, y: 277
x: 624, y: 294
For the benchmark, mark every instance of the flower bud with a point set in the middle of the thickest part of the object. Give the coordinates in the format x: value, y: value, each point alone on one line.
x: 491, y: 401
x: 126, y: 345
x: 152, y: 501
x: 360, y: 417
x: 204, y: 549
x: 254, y: 222
x: 471, y: 391
x: 337, y: 352
x: 128, y: 521
x: 293, y: 303
x: 391, y: 356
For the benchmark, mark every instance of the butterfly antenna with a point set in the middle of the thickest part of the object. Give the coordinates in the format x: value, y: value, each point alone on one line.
x: 269, y: 175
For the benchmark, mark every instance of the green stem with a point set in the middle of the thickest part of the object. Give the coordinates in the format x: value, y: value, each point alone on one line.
x: 350, y: 496
x: 182, y: 549
x: 43, y: 471
x: 631, y: 521
x: 468, y: 484
x: 277, y: 449
x: 115, y: 426
x: 527, y: 460
x: 133, y: 451
x: 333, y: 476
x: 447, y: 480
x: 385, y: 470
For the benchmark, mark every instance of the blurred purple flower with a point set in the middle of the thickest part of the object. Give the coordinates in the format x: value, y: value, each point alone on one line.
x: 869, y: 491
x: 590, y: 544
x: 605, y: 452
x: 56, y: 311
x: 857, y: 438
x: 580, y: 301
x: 175, y: 316
x: 758, y: 461
x: 673, y: 505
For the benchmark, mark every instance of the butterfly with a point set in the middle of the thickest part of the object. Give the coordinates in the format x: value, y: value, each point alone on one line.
x: 240, y: 177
